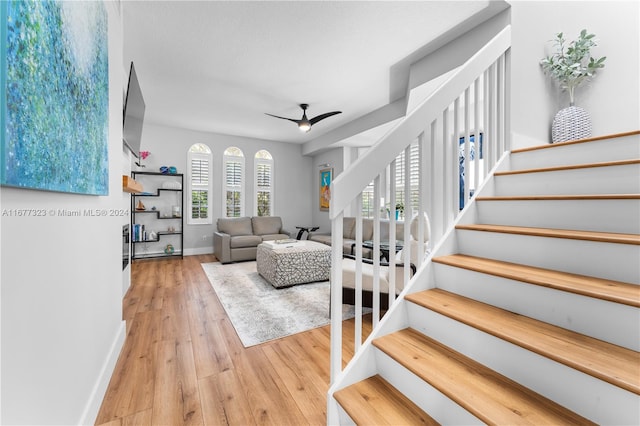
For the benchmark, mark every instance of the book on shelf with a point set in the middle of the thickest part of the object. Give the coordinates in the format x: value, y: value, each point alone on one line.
x: 138, y: 233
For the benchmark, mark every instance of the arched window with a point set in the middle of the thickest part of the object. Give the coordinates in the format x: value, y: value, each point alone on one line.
x: 233, y: 179
x: 264, y: 183
x: 199, y: 180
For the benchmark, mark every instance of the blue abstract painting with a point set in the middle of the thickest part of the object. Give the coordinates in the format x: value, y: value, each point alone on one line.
x: 54, y: 86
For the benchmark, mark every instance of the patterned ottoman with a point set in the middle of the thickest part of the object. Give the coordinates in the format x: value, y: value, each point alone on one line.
x: 298, y: 262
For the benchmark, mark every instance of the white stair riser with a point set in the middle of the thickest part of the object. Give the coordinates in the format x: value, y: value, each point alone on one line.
x: 596, y: 180
x: 608, y: 321
x: 620, y: 216
x: 617, y: 262
x: 593, y: 152
x: 592, y: 398
x: 425, y: 396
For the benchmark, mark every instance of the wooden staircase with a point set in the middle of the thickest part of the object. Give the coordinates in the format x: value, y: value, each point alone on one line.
x: 529, y: 311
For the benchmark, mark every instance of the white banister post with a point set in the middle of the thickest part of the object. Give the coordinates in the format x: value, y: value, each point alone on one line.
x: 446, y: 172
x: 477, y: 132
x: 500, y: 114
x: 455, y: 150
x: 422, y: 185
x: 336, y: 295
x: 494, y: 111
x: 432, y: 149
x: 485, y: 121
x: 407, y: 213
x: 467, y: 146
x: 392, y: 231
x: 507, y: 93
x: 376, y: 251
x: 358, y: 277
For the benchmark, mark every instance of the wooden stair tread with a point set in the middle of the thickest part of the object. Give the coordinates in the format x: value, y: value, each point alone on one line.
x: 577, y: 141
x: 611, y: 363
x: 561, y: 197
x: 569, y: 167
x: 614, y: 291
x: 374, y: 401
x: 607, y: 237
x: 488, y: 395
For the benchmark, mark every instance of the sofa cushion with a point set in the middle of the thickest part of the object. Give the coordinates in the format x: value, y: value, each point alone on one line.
x: 384, y: 230
x: 349, y: 228
x: 367, y: 229
x: 245, y: 241
x: 271, y: 237
x: 349, y: 276
x: 235, y: 226
x: 265, y: 225
x: 321, y: 238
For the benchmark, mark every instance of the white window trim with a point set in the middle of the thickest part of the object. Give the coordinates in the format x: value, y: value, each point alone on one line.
x: 271, y: 189
x: 226, y: 159
x: 209, y: 219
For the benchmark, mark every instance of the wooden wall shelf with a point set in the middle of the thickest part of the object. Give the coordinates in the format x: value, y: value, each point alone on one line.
x: 130, y: 185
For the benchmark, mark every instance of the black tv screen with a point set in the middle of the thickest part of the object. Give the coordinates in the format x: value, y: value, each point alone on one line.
x: 133, y: 114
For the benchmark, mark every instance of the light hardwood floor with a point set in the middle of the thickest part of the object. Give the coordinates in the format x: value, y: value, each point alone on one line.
x: 183, y: 363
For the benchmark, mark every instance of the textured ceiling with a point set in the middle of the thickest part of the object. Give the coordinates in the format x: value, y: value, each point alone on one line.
x: 218, y: 66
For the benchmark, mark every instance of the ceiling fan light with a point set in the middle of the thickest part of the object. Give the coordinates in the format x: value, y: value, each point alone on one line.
x: 304, y: 126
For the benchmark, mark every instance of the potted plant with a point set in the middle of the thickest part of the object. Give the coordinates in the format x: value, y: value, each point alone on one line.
x: 571, y: 65
x: 399, y: 210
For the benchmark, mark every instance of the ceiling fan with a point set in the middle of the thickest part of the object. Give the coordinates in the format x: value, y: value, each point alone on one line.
x: 304, y: 124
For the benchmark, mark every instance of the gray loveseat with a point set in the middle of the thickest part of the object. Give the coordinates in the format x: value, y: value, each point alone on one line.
x: 237, y: 238
x: 349, y: 234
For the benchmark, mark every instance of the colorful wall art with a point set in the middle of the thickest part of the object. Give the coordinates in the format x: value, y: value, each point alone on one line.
x: 54, y: 87
x: 326, y: 175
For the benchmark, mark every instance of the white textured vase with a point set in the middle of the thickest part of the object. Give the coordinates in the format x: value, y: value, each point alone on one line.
x: 571, y: 123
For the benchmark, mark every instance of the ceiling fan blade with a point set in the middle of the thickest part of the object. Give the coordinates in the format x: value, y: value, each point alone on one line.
x: 314, y: 120
x: 284, y: 118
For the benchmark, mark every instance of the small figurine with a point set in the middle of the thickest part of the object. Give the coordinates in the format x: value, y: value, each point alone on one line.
x: 140, y: 206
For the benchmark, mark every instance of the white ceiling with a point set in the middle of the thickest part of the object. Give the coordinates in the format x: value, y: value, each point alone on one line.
x: 218, y: 66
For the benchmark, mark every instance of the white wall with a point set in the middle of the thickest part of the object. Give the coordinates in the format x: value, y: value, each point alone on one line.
x: 334, y: 158
x: 62, y: 289
x: 612, y: 98
x: 293, y: 179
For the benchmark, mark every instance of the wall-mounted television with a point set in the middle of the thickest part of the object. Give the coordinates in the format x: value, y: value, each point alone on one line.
x: 133, y: 114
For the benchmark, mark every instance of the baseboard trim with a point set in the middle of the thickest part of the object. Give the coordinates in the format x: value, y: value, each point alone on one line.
x: 90, y: 412
x: 197, y: 251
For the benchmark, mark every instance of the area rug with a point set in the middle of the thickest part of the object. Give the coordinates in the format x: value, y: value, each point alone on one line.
x: 259, y: 312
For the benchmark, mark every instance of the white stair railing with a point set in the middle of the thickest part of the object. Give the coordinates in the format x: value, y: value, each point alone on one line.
x: 460, y: 129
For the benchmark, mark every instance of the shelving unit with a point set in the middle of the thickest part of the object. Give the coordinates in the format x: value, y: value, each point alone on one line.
x: 162, y: 215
